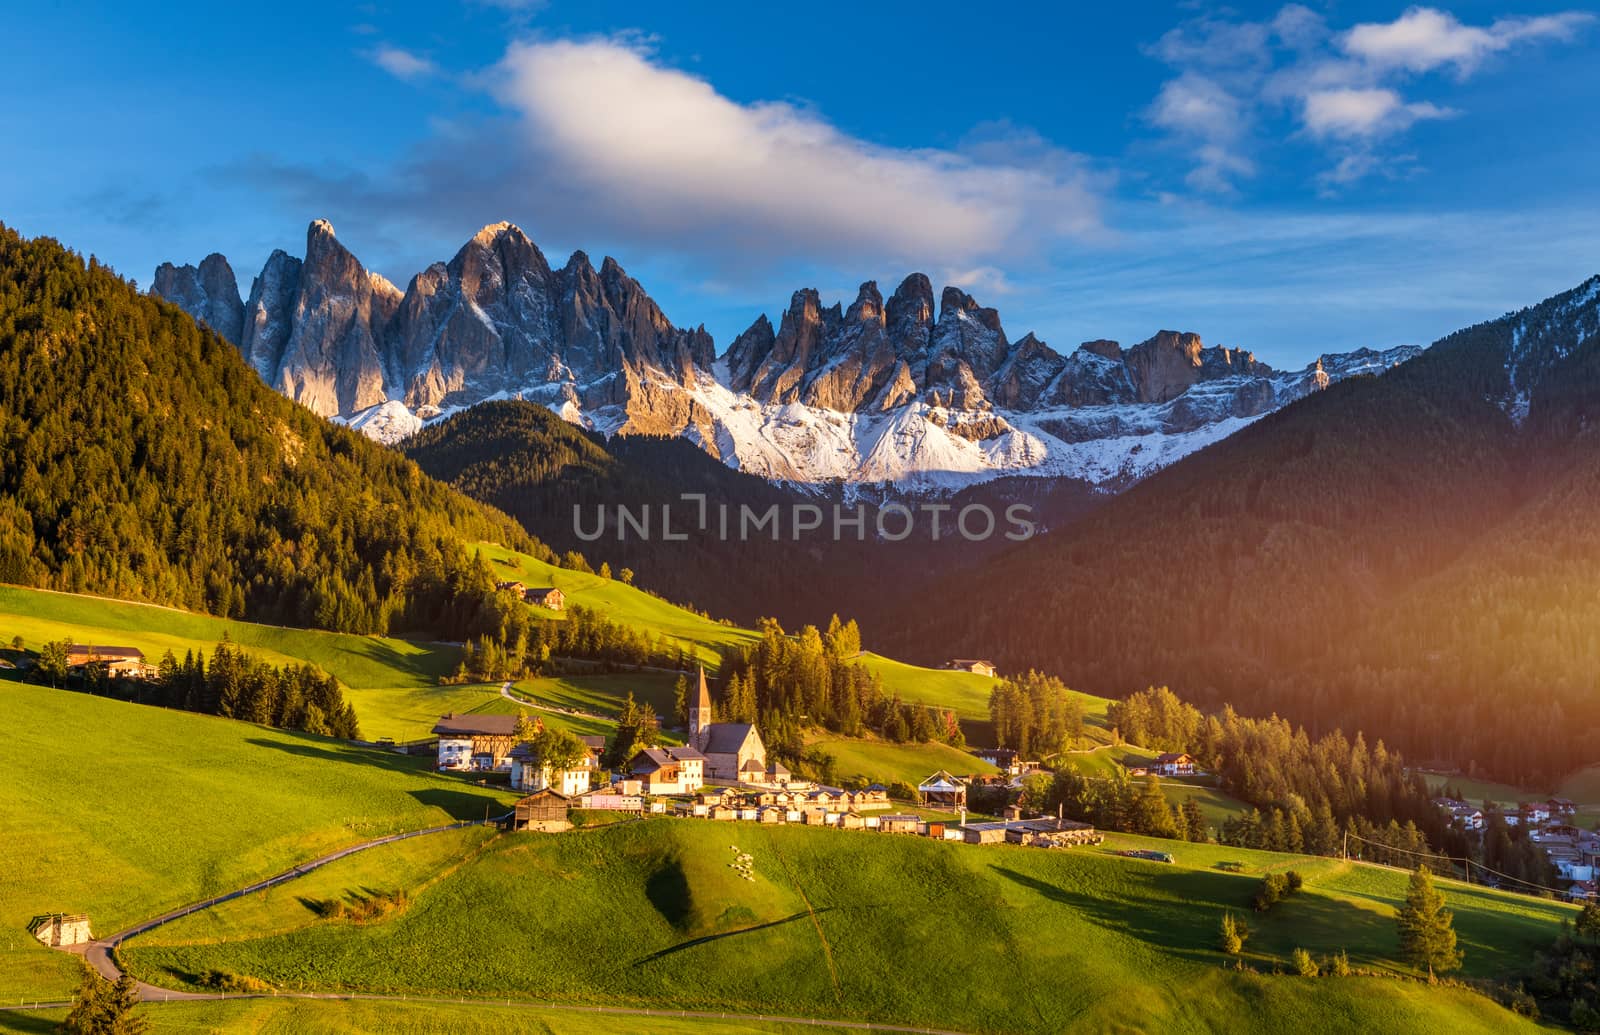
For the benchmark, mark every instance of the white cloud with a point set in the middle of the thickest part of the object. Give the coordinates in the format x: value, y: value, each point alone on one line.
x: 1351, y: 113
x: 630, y: 136
x: 402, y: 64
x: 1425, y: 38
x: 1235, y: 80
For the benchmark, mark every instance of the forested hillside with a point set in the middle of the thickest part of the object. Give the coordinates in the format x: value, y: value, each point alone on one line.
x: 140, y: 457
x: 1394, y: 554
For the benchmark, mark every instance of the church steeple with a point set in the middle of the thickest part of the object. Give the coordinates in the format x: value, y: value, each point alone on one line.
x: 700, y: 711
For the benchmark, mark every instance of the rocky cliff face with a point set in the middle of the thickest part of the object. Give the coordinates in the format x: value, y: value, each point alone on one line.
x: 880, y: 391
x: 210, y: 293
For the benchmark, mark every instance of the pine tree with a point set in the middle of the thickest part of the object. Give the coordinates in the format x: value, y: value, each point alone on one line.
x: 102, y: 1007
x: 1427, y: 932
x: 1194, y: 820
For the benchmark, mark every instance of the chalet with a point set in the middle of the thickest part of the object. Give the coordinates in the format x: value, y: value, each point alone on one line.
x: 1534, y: 812
x: 528, y: 775
x: 127, y: 662
x: 1583, y: 891
x: 1175, y: 764
x: 61, y: 929
x: 900, y: 824
x: 943, y: 789
x: 542, y: 810
x: 1562, y: 808
x: 729, y: 747
x: 515, y: 588
x: 546, y: 597
x: 476, y: 741
x: 669, y: 770
x: 973, y: 665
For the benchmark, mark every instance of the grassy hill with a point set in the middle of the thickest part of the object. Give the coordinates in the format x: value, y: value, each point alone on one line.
x: 123, y: 810
x: 901, y: 930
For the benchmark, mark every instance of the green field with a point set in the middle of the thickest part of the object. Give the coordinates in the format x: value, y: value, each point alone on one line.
x: 124, y: 810
x: 885, y: 762
x: 626, y: 604
x: 1065, y: 940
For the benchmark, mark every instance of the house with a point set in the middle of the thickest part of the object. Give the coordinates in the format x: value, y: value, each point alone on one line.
x: 476, y: 741
x: 943, y: 789
x: 61, y: 929
x: 728, y: 747
x: 900, y: 824
x: 528, y: 775
x: 542, y: 810
x: 516, y: 588
x: 973, y: 665
x: 118, y: 661
x: 1534, y: 812
x: 1175, y: 764
x: 546, y: 597
x: 1562, y: 807
x: 669, y: 770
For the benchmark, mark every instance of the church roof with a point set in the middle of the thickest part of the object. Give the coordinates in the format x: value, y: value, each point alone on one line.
x: 704, y: 699
x: 725, y: 738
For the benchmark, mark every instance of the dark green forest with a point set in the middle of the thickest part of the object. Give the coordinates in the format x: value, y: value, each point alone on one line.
x: 142, y: 458
x: 1392, y: 554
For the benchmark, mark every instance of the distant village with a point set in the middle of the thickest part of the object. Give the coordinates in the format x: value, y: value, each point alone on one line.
x: 1573, y: 852
x: 723, y: 774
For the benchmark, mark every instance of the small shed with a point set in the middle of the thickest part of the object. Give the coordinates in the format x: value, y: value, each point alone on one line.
x: 61, y: 929
x: 542, y: 810
x: 902, y: 824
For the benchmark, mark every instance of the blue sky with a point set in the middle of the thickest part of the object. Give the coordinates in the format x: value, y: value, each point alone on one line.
x: 1290, y: 179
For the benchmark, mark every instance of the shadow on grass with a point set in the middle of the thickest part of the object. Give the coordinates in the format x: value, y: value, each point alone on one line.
x: 308, y: 745
x: 23, y: 1021
x: 707, y: 939
x: 1180, y: 911
x: 462, y: 804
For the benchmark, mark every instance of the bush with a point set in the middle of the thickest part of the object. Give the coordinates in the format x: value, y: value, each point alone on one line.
x: 1304, y: 965
x: 1338, y: 964
x: 227, y: 981
x: 1274, y: 888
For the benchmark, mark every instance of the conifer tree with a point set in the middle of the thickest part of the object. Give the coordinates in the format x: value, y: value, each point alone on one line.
x: 1427, y: 931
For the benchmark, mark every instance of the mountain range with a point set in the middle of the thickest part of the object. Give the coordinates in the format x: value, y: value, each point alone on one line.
x: 924, y: 396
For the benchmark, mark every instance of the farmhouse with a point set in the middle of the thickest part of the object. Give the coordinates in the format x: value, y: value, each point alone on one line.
x: 943, y: 789
x: 729, y: 748
x: 479, y: 742
x: 670, y: 770
x: 973, y: 665
x: 59, y: 929
x: 543, y: 810
x: 1175, y: 764
x: 545, y: 596
x: 118, y: 661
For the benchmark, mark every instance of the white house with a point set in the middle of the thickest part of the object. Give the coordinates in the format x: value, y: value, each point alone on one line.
x: 527, y: 775
x: 670, y: 770
x: 1175, y: 764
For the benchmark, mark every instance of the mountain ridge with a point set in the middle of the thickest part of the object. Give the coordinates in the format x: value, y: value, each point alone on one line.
x: 931, y: 398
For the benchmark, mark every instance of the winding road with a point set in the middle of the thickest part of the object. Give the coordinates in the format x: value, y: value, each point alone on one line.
x: 101, y: 954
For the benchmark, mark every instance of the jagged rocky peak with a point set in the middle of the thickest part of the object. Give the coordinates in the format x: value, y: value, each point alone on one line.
x: 210, y: 294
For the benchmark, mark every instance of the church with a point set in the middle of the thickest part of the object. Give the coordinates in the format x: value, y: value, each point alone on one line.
x: 734, y: 752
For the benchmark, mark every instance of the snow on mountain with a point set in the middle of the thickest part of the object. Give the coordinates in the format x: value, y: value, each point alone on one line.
x: 903, y: 393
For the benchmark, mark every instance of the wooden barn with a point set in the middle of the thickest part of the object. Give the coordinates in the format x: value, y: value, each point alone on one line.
x: 542, y: 810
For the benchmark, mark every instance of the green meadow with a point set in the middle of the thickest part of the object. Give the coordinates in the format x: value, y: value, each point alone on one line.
x: 123, y: 811
x: 877, y: 927
x: 886, y: 762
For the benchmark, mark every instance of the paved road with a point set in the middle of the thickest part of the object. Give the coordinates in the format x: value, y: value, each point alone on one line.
x: 101, y: 954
